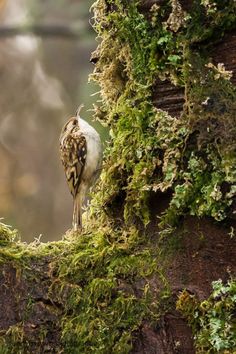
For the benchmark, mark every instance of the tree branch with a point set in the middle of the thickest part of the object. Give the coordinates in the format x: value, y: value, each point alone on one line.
x: 43, y: 31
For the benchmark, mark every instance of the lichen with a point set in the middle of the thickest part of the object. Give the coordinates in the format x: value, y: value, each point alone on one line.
x: 212, y: 320
x: 150, y: 150
x: 101, y: 281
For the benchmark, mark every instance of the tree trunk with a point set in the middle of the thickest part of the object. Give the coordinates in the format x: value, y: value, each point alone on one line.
x: 161, y: 225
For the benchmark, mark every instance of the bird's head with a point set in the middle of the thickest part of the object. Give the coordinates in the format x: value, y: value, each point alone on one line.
x: 70, y: 125
x: 72, y: 122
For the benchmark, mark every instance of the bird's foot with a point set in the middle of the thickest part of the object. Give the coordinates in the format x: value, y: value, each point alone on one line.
x: 77, y: 228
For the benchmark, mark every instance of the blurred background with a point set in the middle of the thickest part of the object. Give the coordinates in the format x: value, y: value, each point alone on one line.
x: 45, y: 47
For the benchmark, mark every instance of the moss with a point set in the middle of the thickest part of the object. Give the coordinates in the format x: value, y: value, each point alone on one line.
x: 212, y: 320
x: 104, y: 309
x: 3, y: 348
x: 95, y: 286
x: 6, y: 234
x: 102, y: 279
x: 17, y: 334
x: 21, y: 338
x: 159, y: 151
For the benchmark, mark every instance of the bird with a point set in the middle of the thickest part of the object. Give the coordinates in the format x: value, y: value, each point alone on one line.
x: 81, y: 157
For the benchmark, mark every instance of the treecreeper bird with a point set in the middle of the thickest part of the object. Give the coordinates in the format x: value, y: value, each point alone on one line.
x: 81, y: 156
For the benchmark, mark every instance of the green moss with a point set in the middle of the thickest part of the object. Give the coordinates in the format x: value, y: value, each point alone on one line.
x: 6, y: 234
x: 213, y: 320
x: 104, y: 310
x: 150, y: 150
x: 14, y: 340
x: 3, y: 348
x: 102, y: 280
x: 96, y: 279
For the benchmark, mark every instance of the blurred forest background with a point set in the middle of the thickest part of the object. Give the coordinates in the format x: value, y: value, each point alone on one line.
x: 43, y: 80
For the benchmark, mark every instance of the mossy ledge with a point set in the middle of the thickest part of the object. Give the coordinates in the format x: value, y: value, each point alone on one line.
x: 161, y: 218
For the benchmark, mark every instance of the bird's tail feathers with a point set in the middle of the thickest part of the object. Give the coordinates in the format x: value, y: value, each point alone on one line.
x: 77, y: 213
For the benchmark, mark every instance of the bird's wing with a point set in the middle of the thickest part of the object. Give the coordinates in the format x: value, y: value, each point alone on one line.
x: 73, y: 156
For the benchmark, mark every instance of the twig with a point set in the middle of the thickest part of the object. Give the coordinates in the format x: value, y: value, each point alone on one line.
x: 42, y: 31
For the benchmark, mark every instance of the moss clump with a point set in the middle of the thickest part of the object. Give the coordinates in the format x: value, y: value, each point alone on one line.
x: 105, y: 308
x: 150, y: 150
x: 98, y: 290
x: 14, y: 340
x: 213, y: 320
x: 6, y: 234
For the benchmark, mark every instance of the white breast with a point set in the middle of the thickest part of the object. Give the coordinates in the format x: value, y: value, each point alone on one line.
x: 94, y: 151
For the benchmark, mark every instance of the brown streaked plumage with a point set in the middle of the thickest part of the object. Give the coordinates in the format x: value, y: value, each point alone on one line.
x: 81, y: 156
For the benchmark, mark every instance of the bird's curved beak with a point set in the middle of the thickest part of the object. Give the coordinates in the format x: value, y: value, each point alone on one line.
x: 78, y: 111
